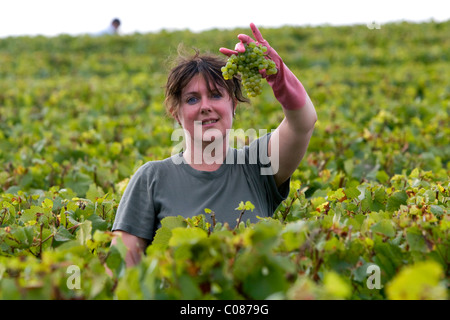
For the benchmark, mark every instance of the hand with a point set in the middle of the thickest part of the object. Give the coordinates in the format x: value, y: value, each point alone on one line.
x: 245, y: 39
x: 286, y: 87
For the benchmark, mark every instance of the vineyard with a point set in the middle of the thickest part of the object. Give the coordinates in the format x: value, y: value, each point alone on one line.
x: 367, y: 217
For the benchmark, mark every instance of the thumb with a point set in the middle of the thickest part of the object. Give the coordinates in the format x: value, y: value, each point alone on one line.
x: 228, y: 52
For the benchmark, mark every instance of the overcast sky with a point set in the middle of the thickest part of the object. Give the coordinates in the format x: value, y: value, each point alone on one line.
x: 53, y: 17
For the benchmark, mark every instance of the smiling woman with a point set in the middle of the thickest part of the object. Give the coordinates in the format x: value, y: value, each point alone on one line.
x: 208, y: 66
x: 187, y: 183
x: 203, y: 103
x: 206, y: 115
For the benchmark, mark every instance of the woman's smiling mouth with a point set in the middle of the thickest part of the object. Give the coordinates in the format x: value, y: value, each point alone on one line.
x: 206, y: 122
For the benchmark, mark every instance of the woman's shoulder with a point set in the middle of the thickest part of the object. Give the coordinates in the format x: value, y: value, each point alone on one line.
x: 254, y: 150
x: 154, y: 166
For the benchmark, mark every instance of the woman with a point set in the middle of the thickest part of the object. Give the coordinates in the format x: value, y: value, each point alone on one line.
x: 210, y: 174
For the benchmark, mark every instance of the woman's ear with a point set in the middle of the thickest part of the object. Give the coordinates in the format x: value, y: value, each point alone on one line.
x: 176, y: 118
x: 175, y: 115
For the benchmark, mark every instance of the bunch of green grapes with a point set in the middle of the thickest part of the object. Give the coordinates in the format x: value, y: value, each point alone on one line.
x: 248, y: 64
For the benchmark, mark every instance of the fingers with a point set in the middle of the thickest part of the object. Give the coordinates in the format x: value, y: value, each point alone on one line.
x: 244, y: 39
x: 227, y: 52
x: 256, y: 33
x: 240, y: 47
x: 263, y: 73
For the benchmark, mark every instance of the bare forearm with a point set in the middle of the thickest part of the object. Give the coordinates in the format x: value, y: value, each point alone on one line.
x: 291, y: 139
x: 135, y: 247
x: 302, y: 120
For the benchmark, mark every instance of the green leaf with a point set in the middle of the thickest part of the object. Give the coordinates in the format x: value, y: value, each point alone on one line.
x: 388, y: 257
x: 9, y: 290
x: 396, y: 200
x: 162, y: 237
x: 47, y: 203
x: 173, y: 222
x: 261, y: 276
x: 116, y: 260
x: 294, y: 234
x: 121, y: 247
x: 352, y: 193
x: 336, y: 286
x: 420, y: 281
x: 349, y: 166
x: 336, y: 195
x: 382, y: 176
x: 163, y: 234
x: 188, y: 287
x: 385, y: 227
x: 367, y: 201
x: 30, y: 214
x: 128, y: 287
x: 63, y: 235
x: 416, y: 240
x: 97, y: 223
x: 78, y: 182
x: 21, y: 236
x: 266, y: 234
x: 245, y: 206
x: 436, y: 210
x: 333, y: 244
x: 84, y: 232
x: 186, y: 236
x: 94, y: 192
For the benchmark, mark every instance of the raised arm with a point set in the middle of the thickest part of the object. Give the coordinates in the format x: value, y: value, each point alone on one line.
x: 289, y: 142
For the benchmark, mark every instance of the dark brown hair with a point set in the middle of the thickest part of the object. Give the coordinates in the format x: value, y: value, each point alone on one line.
x: 209, y: 66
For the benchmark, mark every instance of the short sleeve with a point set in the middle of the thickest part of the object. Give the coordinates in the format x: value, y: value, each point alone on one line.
x: 136, y: 214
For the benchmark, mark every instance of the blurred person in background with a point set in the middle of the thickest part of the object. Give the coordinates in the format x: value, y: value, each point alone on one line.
x: 113, y: 28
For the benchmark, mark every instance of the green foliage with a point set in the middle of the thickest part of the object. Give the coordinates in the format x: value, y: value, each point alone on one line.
x: 78, y: 115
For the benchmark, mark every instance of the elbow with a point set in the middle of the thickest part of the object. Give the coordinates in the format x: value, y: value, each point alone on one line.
x: 310, y: 116
x: 312, y: 126
x: 314, y: 121
x: 311, y: 121
x: 314, y: 117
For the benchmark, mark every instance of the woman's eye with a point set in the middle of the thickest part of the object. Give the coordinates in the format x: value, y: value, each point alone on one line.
x: 192, y: 100
x: 216, y: 95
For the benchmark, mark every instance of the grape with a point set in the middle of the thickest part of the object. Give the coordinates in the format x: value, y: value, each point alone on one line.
x: 248, y: 64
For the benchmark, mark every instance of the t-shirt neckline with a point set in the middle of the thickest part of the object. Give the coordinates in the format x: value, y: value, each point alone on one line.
x: 179, y: 160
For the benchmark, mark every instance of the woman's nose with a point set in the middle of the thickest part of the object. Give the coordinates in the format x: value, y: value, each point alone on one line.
x: 205, y: 106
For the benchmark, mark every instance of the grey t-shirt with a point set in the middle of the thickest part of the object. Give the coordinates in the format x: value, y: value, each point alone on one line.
x: 171, y: 187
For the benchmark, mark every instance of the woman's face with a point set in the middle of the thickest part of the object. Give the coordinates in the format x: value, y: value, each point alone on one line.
x: 209, y: 113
